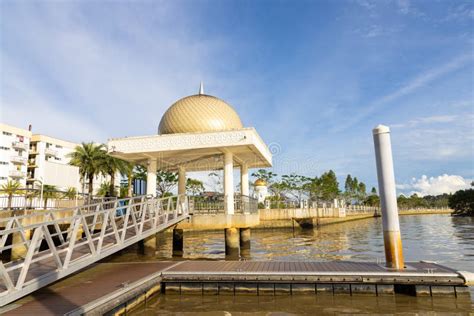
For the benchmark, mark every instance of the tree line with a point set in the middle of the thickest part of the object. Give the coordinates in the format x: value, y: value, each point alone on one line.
x: 326, y: 187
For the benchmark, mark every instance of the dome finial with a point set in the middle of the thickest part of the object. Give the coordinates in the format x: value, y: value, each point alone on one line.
x: 201, y: 88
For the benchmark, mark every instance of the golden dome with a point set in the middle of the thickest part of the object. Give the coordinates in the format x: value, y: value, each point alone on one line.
x: 199, y: 113
x: 260, y: 183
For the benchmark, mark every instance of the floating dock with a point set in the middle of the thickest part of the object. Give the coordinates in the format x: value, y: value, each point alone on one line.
x: 122, y: 287
x: 289, y: 278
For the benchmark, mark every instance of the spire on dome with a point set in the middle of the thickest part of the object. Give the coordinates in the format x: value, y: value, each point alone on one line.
x: 201, y: 88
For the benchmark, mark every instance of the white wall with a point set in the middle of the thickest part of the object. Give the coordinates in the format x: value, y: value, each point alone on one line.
x: 61, y: 175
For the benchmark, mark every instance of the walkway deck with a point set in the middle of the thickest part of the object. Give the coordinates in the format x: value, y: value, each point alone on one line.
x: 94, y: 288
x: 271, y: 278
x: 83, y: 288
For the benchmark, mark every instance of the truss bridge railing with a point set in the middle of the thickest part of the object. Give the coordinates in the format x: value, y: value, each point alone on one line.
x: 41, y: 247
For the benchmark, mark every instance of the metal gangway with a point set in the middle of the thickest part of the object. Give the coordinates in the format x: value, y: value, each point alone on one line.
x: 57, y: 243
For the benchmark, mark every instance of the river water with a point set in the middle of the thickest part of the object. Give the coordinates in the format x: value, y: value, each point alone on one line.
x: 441, y: 238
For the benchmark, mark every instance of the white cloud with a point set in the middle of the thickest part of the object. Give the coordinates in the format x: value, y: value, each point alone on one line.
x: 435, y: 185
x: 437, y: 137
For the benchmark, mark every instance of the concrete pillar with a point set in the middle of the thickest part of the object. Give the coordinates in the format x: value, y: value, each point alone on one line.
x: 177, y: 242
x: 388, y: 198
x: 181, y: 180
x: 244, y: 240
x: 232, y: 242
x: 229, y: 183
x: 149, y: 245
x: 244, y: 180
x: 151, y: 177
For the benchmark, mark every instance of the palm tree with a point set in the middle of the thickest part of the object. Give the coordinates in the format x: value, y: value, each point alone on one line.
x: 10, y: 188
x: 70, y: 193
x: 129, y: 167
x: 89, y: 158
x: 49, y: 192
x: 110, y: 166
x: 103, y: 189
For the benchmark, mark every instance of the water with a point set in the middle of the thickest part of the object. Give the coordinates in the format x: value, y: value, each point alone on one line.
x: 441, y: 238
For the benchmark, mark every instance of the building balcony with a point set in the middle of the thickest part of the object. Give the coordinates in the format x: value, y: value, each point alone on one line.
x: 20, y: 145
x: 18, y: 160
x: 16, y: 174
x: 50, y: 152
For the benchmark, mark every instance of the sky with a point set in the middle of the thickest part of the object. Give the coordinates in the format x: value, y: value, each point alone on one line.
x: 313, y: 77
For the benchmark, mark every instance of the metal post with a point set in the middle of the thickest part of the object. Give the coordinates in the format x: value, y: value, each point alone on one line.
x: 388, y: 197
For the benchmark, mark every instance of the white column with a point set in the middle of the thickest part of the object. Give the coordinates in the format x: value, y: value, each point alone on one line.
x: 244, y: 180
x: 388, y: 197
x: 151, y: 177
x: 229, y: 183
x: 181, y: 180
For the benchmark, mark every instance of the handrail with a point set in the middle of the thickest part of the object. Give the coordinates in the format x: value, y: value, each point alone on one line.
x: 78, y: 237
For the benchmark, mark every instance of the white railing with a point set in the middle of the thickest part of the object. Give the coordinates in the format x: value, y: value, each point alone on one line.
x: 17, y: 174
x: 76, y: 238
x: 20, y: 145
x: 18, y: 159
x: 26, y: 202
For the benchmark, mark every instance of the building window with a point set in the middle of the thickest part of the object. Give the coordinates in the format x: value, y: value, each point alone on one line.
x: 3, y: 163
x: 7, y: 133
x: 59, y: 146
x: 4, y: 148
x: 3, y: 178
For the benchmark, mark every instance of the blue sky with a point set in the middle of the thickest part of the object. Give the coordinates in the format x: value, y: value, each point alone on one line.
x: 314, y: 77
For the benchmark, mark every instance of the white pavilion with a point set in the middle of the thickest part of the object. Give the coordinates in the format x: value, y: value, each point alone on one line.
x: 197, y: 133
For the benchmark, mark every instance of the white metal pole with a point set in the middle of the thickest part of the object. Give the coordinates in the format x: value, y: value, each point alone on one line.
x: 388, y: 197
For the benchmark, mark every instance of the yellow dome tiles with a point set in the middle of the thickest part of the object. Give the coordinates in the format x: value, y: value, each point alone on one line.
x: 199, y: 113
x: 260, y: 183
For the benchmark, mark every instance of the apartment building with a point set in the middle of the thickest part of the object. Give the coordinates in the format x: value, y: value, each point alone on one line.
x: 14, y: 148
x: 32, y: 159
x: 48, y: 162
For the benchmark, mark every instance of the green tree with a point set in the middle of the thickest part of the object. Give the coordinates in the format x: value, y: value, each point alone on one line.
x: 313, y: 187
x: 277, y: 188
x: 462, y: 202
x: 11, y: 188
x: 348, y: 187
x: 110, y: 166
x: 264, y: 174
x: 361, y: 191
x: 49, y: 192
x: 89, y: 158
x: 295, y: 185
x: 103, y: 189
x: 70, y: 193
x: 139, y: 173
x: 194, y: 186
x: 128, y: 168
x: 329, y: 185
x: 373, y: 191
x: 165, y: 182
